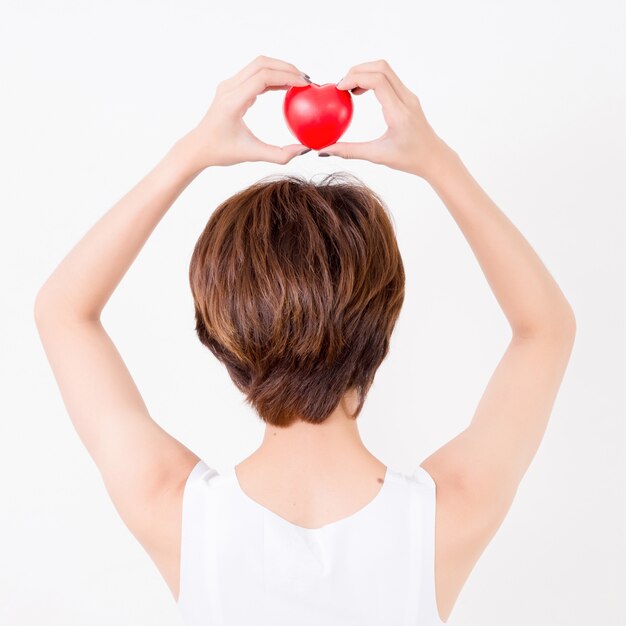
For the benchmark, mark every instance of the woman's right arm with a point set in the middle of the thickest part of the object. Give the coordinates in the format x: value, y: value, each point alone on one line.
x: 489, y: 458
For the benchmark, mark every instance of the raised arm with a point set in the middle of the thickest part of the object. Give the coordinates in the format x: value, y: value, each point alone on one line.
x: 478, y: 472
x: 486, y: 462
x: 483, y: 466
x: 142, y: 466
x: 510, y: 419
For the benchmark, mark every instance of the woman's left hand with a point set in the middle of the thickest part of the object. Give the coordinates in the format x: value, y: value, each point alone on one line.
x: 222, y: 137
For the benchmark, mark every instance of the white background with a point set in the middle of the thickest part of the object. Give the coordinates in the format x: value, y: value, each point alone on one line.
x: 531, y: 95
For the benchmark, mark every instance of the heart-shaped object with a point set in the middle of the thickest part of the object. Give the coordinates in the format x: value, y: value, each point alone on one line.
x: 317, y: 115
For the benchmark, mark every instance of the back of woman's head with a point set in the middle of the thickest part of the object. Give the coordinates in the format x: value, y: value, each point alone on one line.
x: 297, y: 286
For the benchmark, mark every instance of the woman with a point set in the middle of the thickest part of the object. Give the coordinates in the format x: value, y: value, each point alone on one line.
x: 297, y: 287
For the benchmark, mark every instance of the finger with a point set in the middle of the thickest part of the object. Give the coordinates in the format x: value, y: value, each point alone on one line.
x: 352, y: 150
x: 380, y: 85
x: 404, y: 93
x: 259, y: 63
x: 277, y: 88
x: 278, y: 154
x: 259, y: 82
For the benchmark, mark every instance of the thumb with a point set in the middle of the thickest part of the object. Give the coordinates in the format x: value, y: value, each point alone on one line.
x: 347, y: 150
x: 279, y: 154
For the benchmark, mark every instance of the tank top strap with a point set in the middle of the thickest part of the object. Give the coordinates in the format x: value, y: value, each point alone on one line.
x: 424, y: 609
x: 198, y: 555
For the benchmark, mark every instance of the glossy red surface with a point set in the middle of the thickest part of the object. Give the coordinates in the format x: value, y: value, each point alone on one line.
x: 317, y: 115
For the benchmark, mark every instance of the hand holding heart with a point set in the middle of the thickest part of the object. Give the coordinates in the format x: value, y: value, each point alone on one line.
x: 317, y: 116
x: 222, y: 137
x: 409, y: 144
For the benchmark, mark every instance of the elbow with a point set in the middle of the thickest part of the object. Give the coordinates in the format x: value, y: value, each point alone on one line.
x: 53, y: 308
x: 571, y: 321
x: 45, y: 308
x: 559, y: 324
x: 566, y: 320
x: 39, y: 309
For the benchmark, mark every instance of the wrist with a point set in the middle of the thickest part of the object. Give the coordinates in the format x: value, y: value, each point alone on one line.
x: 187, y: 154
x: 442, y: 156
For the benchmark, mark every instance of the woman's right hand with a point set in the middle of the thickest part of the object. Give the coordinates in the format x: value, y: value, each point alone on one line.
x: 409, y: 144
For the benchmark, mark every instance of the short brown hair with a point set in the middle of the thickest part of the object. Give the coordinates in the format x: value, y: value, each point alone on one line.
x: 297, y: 286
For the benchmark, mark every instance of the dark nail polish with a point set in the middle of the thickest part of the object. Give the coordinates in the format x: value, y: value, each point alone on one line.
x: 323, y: 154
x: 304, y: 151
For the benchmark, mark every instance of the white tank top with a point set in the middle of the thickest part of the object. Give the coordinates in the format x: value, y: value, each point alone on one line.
x: 244, y: 565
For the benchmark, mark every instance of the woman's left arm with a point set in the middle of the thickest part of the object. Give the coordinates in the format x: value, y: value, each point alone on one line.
x: 142, y: 466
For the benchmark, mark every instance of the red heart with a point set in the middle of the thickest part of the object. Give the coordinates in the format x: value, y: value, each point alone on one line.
x: 317, y: 114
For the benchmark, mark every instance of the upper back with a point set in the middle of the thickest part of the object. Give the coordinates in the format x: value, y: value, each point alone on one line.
x: 241, y: 563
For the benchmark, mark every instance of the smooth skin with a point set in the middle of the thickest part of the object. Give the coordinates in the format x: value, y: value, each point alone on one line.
x: 310, y: 475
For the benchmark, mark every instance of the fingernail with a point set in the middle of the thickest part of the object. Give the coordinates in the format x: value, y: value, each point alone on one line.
x: 307, y: 78
x: 304, y: 151
x: 339, y: 81
x: 324, y: 154
x: 305, y: 75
